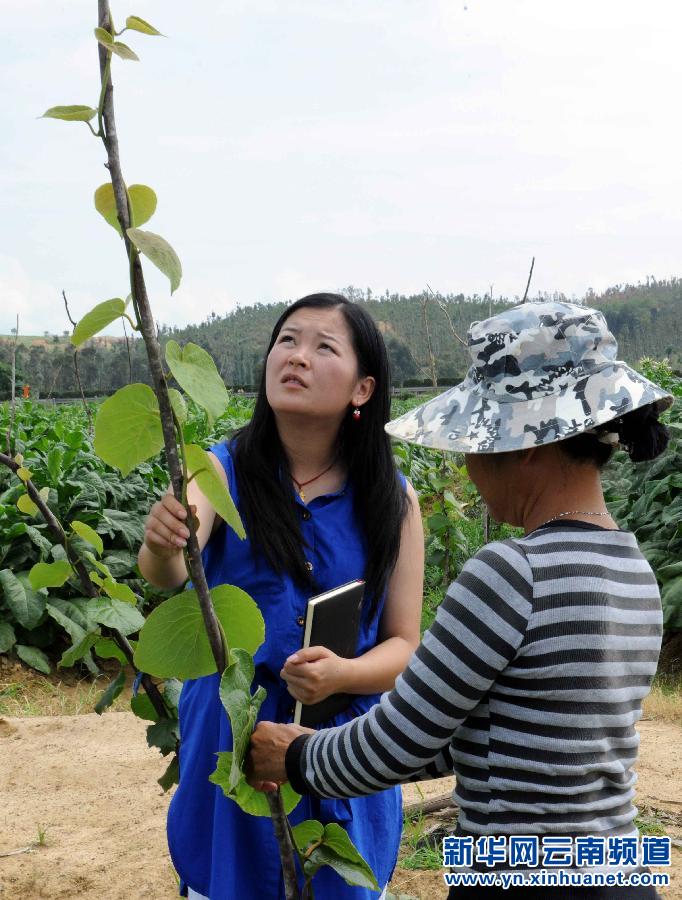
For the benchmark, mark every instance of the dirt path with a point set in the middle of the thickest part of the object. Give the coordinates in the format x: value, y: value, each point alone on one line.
x: 88, y: 782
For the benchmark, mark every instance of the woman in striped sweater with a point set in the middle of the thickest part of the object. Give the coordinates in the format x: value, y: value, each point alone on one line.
x: 529, y: 683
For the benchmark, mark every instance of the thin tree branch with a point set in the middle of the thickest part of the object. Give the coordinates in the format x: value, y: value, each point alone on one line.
x: 422, y: 368
x: 88, y: 412
x: 76, y: 370
x: 130, y: 359
x: 13, y: 402
x: 283, y: 837
x: 146, y: 324
x: 432, y: 361
x: 424, y: 807
x: 88, y: 586
x: 54, y: 381
x: 29, y: 849
x: 444, y: 308
x: 66, y: 305
x: 530, y: 275
x: 52, y: 522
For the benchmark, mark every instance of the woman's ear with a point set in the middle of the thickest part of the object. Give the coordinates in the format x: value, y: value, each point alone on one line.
x: 363, y: 390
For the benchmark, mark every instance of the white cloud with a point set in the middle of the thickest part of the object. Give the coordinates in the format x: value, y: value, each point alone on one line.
x: 291, y: 284
x: 38, y: 303
x: 379, y: 143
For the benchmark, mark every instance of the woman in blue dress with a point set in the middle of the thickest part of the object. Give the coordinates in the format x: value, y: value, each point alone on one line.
x: 313, y: 478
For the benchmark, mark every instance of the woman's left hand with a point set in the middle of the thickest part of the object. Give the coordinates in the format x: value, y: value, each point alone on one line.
x: 314, y: 673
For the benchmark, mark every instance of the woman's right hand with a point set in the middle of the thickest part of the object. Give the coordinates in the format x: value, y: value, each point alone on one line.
x: 165, y: 531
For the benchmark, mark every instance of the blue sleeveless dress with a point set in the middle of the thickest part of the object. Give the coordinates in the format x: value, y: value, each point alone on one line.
x: 218, y: 850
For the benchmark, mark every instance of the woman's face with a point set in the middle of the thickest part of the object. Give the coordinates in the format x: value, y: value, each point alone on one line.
x: 312, y: 368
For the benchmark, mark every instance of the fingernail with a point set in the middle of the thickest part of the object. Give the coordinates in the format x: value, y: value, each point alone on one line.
x: 293, y: 658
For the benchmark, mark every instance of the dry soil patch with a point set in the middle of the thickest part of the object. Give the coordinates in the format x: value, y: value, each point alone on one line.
x: 89, y: 783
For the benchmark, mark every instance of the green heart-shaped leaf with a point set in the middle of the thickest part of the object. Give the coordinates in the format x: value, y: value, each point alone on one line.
x: 116, y: 614
x: 163, y: 735
x: 142, y: 203
x: 240, y: 706
x: 27, y: 506
x: 106, y: 648
x: 307, y: 833
x: 249, y: 800
x: 88, y: 534
x: 128, y: 427
x: 70, y: 113
x: 143, y: 708
x: 124, y: 51
x: 135, y: 23
x: 340, y: 853
x: 213, y: 487
x: 46, y: 575
x: 174, y: 643
x: 179, y: 406
x: 104, y: 38
x: 99, y: 564
x: 160, y: 252
x: 96, y: 319
x: 118, y: 591
x: 196, y: 373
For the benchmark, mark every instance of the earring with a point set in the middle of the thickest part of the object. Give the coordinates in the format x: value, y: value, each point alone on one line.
x: 356, y: 414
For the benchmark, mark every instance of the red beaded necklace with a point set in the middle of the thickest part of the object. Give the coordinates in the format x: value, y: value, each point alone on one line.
x: 301, y: 484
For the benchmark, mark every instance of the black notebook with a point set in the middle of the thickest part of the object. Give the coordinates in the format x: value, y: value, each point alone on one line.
x: 332, y: 621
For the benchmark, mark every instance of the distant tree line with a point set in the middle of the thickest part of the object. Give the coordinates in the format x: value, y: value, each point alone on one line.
x: 646, y: 319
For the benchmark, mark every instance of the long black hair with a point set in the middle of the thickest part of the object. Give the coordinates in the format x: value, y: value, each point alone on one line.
x: 265, y: 488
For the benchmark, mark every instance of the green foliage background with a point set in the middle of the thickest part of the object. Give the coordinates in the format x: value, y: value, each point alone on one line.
x: 58, y: 450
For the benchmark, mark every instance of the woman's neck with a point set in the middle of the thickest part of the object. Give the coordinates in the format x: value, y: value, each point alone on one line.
x: 308, y: 450
x: 579, y: 496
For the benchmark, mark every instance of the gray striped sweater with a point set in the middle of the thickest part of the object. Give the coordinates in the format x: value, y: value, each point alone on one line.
x: 528, y: 686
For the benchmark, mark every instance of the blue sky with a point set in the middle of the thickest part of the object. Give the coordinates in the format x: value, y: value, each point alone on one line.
x: 314, y: 144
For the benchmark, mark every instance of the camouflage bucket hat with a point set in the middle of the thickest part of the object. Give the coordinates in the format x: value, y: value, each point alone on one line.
x: 541, y: 372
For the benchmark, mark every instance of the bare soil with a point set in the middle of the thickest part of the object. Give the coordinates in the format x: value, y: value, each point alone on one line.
x: 87, y: 784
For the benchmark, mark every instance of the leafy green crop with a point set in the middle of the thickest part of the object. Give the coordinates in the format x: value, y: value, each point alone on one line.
x: 99, y: 504
x: 105, y: 515
x: 647, y: 499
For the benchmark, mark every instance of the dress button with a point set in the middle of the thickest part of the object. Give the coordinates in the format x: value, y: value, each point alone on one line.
x: 309, y: 565
x: 300, y: 621
x: 305, y: 515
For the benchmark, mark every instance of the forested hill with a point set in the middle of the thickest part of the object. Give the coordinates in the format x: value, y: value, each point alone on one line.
x: 646, y: 319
